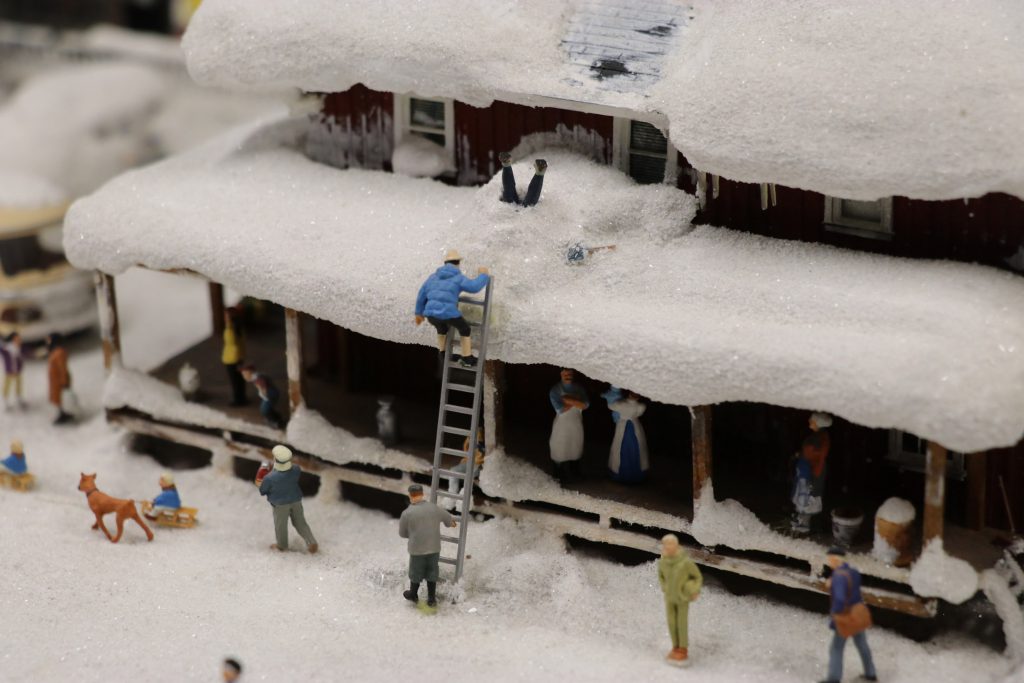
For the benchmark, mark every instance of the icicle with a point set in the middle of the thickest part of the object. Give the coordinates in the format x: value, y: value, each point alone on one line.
x: 771, y: 189
x: 764, y: 196
x: 714, y: 187
x: 702, y: 189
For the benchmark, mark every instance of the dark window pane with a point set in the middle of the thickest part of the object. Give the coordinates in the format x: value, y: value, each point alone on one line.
x: 645, y: 169
x: 870, y: 212
x: 426, y: 113
x: 646, y: 138
x: 433, y: 137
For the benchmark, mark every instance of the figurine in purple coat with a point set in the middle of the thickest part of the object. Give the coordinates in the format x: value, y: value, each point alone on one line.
x: 14, y: 362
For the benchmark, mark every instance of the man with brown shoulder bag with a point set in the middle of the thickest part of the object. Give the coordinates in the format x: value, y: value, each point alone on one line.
x: 849, y: 617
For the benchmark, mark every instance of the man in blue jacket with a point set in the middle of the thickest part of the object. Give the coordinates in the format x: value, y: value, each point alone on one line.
x: 281, y: 487
x: 845, y: 592
x: 438, y: 302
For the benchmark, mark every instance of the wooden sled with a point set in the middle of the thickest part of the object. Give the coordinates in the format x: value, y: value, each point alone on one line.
x: 182, y: 518
x: 18, y: 482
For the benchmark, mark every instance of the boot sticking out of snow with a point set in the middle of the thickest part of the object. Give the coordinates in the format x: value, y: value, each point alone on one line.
x: 413, y: 594
x: 539, y: 166
x: 505, y: 158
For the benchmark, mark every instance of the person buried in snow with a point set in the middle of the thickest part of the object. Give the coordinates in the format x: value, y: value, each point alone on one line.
x: 438, y: 303
x: 509, y: 193
x: 569, y: 400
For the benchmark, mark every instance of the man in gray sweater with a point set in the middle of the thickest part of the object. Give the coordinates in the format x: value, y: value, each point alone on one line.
x: 281, y: 487
x: 419, y: 524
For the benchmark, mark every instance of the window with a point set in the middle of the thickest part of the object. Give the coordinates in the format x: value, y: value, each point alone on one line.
x: 907, y: 452
x: 430, y: 118
x: 643, y: 152
x: 862, y: 218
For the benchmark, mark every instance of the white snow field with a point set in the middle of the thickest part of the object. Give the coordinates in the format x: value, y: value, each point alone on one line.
x: 76, y: 607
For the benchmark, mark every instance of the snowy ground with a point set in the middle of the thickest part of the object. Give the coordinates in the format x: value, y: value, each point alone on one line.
x: 79, y: 608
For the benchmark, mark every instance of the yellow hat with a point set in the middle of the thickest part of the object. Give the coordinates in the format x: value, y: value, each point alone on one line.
x: 167, y: 479
x: 453, y: 255
x: 17, y: 446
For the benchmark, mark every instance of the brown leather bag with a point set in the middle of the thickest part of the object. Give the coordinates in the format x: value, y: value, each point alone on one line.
x: 855, y: 619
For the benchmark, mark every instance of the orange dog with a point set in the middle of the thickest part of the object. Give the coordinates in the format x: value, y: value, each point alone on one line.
x: 102, y: 504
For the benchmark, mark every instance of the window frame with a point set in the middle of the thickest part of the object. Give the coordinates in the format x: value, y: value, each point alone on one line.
x: 913, y: 461
x: 404, y: 127
x: 835, y: 221
x: 622, y: 148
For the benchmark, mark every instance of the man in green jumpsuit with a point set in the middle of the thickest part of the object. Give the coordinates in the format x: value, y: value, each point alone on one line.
x: 680, y: 582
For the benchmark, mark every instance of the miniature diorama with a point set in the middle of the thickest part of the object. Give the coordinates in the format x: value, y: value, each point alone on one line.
x: 420, y: 524
x: 797, y: 296
x: 281, y: 488
x: 101, y: 504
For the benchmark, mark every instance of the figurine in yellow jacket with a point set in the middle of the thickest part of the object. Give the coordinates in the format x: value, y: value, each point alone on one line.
x: 681, y: 582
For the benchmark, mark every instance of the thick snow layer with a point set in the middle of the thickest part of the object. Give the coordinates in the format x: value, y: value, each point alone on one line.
x: 997, y: 590
x: 937, y: 575
x: 897, y: 511
x: 420, y: 158
x: 28, y: 191
x: 79, y: 608
x: 918, y: 98
x: 933, y: 348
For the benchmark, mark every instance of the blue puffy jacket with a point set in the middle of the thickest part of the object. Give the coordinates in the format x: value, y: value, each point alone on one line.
x: 439, y: 295
x: 168, y: 498
x: 15, y: 465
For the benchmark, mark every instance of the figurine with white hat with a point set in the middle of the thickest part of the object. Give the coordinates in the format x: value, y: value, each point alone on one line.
x: 809, y: 479
x: 168, y: 500
x: 281, y: 487
x: 438, y: 303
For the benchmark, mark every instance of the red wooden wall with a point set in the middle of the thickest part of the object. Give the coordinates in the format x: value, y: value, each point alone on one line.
x: 356, y: 129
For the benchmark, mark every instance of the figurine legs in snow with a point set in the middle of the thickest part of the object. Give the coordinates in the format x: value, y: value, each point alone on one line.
x: 835, y: 657
x: 509, y: 194
x: 293, y: 511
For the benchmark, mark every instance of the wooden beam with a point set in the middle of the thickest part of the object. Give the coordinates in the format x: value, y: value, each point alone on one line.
x: 976, y: 489
x: 293, y: 352
x: 494, y: 408
x: 110, y: 326
x: 217, y: 307
x: 701, y: 446
x: 934, y: 491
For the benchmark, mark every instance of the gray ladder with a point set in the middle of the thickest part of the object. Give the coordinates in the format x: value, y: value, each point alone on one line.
x: 449, y: 415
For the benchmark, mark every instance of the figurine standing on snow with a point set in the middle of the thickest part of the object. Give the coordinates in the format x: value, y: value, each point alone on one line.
x: 233, y: 354
x: 628, y: 460
x: 168, y: 499
x: 438, y: 302
x: 681, y: 582
x: 809, y: 482
x: 569, y: 400
x: 268, y: 394
x: 15, y: 463
x: 14, y: 363
x: 59, y: 377
x: 419, y: 523
x: 281, y: 487
x: 509, y: 193
x: 849, y: 617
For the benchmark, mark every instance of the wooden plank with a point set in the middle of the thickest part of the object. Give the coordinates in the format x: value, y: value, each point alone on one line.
x: 110, y: 326
x: 976, y: 484
x: 217, y: 307
x: 293, y: 353
x: 934, y: 491
x: 701, y: 446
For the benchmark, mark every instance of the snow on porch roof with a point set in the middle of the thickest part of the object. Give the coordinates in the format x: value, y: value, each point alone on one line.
x: 681, y: 315
x: 923, y: 98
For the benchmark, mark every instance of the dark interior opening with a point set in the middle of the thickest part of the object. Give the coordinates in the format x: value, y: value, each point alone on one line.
x: 171, y: 454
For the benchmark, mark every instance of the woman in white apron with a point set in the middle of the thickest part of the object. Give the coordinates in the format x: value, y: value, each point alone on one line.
x: 569, y: 400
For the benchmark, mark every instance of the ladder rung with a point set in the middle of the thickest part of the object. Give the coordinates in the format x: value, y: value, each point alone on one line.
x: 460, y: 366
x: 467, y: 300
x: 454, y: 451
x: 448, y: 494
x: 447, y: 560
x: 450, y: 539
x: 457, y: 409
x: 468, y: 388
x: 451, y: 474
x: 473, y: 323
x: 454, y: 430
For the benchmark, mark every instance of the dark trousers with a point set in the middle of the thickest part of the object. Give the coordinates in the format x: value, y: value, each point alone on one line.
x: 237, y: 383
x: 509, y: 194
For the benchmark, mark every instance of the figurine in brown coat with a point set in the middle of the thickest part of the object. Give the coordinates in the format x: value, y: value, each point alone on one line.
x: 60, y: 378
x: 102, y: 504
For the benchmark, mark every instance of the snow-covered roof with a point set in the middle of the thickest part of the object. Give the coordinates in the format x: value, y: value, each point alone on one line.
x: 923, y: 98
x: 681, y: 315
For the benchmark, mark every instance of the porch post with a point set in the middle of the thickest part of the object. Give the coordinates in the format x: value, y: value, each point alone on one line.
x: 494, y: 411
x: 293, y: 351
x: 976, y: 484
x: 110, y: 327
x: 217, y: 307
x: 701, y: 447
x: 934, y: 491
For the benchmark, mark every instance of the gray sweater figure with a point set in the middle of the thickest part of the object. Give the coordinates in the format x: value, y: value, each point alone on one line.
x: 420, y: 523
